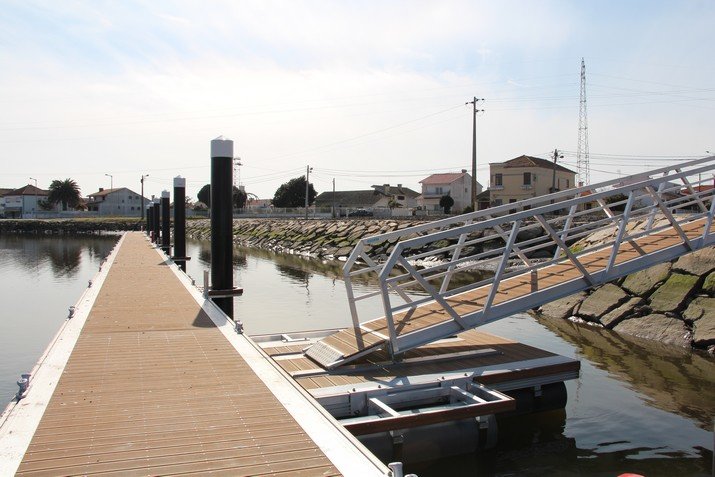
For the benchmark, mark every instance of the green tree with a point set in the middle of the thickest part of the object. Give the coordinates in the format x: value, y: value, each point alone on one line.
x: 239, y: 198
x: 292, y: 193
x: 446, y: 202
x: 65, y: 192
x: 204, y: 195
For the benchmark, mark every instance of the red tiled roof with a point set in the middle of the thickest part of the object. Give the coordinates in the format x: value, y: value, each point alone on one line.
x: 28, y: 190
x: 529, y: 161
x: 446, y: 178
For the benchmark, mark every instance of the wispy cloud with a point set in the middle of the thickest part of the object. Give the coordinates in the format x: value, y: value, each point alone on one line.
x: 133, y: 85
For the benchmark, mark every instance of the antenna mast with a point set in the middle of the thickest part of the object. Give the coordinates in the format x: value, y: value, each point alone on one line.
x: 582, y: 161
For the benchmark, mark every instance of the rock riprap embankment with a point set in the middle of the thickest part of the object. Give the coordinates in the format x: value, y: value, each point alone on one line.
x: 69, y: 226
x: 672, y: 302
x: 330, y: 239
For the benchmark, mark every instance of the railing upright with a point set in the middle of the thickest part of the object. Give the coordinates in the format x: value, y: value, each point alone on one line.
x: 502, y: 267
x: 619, y: 236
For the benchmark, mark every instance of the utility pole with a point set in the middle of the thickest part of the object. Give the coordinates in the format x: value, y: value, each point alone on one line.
x: 333, y: 197
x: 474, y: 148
x: 111, y: 181
x: 307, y: 188
x: 142, y: 181
x: 553, y: 177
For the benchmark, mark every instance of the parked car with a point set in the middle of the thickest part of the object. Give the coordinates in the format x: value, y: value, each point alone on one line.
x: 360, y: 213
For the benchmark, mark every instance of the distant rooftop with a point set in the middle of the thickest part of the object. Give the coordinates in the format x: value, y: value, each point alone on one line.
x: 444, y: 178
x: 529, y: 161
x: 28, y: 190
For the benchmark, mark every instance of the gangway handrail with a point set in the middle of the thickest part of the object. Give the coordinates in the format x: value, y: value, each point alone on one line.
x: 650, y: 202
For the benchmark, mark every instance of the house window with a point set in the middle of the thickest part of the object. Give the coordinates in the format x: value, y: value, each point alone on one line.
x: 567, y: 184
x: 399, y: 197
x: 497, y: 202
x: 527, y: 178
x: 498, y: 180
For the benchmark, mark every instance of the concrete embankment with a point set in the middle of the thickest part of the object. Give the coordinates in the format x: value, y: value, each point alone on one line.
x: 672, y: 302
x: 69, y: 226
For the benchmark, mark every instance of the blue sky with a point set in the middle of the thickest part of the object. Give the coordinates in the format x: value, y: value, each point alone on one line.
x: 364, y: 92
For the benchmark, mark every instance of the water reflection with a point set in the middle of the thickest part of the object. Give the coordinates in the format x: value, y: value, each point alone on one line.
x: 672, y: 379
x: 204, y: 254
x: 63, y: 256
x: 41, y: 276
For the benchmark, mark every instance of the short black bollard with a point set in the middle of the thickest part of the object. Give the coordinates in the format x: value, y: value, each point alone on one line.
x: 155, y: 222
x: 180, y: 222
x: 165, y: 223
x: 222, y: 221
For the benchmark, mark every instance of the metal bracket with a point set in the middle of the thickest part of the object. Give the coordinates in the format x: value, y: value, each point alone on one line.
x: 23, y: 383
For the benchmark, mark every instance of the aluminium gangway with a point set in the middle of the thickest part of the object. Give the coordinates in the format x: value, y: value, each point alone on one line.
x: 639, y: 221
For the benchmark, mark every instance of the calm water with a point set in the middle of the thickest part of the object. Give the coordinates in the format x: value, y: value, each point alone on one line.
x: 40, y: 277
x: 637, y: 407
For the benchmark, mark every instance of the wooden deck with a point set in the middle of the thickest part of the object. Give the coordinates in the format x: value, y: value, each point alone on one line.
x: 373, y: 334
x: 470, y: 350
x: 154, y: 387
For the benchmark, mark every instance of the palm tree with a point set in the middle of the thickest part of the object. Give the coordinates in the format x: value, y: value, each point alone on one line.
x: 66, y: 192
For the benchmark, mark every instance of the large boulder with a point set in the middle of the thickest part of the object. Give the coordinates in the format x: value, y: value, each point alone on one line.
x: 704, y: 331
x: 672, y: 294
x: 709, y: 284
x: 700, y: 307
x: 642, y: 283
x: 656, y: 327
x: 564, y: 307
x: 615, y: 316
x: 600, y: 302
x: 699, y: 263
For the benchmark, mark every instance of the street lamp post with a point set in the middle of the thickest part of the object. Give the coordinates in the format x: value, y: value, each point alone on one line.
x: 34, y: 210
x: 307, y: 188
x: 111, y: 181
x: 142, y: 181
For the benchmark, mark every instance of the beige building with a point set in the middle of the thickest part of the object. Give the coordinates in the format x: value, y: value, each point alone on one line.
x: 525, y: 177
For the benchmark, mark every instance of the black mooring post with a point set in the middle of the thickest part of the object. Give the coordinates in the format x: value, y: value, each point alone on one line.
x: 165, y: 223
x: 222, y: 220
x: 180, y: 221
x: 148, y: 219
x: 156, y: 222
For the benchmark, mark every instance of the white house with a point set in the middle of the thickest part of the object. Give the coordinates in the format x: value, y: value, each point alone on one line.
x: 3, y: 192
x: 121, y: 201
x: 23, y: 203
x: 457, y: 185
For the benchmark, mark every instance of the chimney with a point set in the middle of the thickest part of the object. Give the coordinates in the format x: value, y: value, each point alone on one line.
x: 399, y: 186
x: 101, y: 189
x: 464, y: 171
x: 386, y: 188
